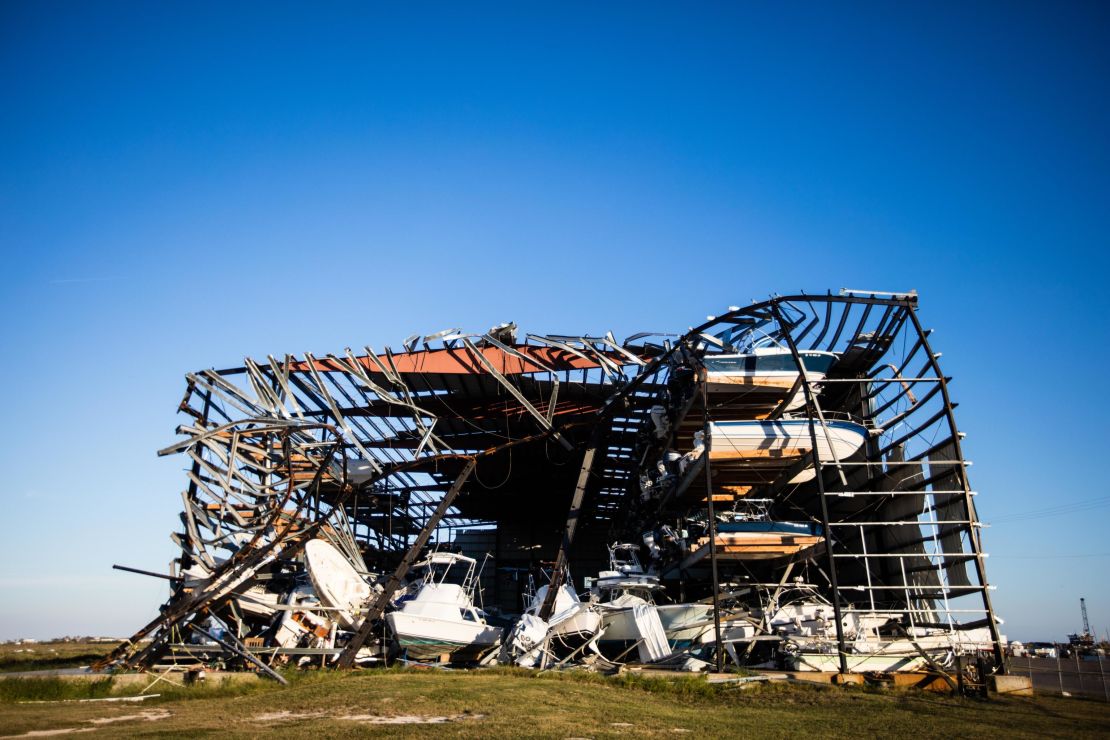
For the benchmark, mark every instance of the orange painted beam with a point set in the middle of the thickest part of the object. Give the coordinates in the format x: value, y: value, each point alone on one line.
x: 460, y: 361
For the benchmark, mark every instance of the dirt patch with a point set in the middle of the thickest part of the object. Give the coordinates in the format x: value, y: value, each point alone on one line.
x: 408, y: 719
x: 368, y: 719
x: 151, y: 715
x: 47, y: 733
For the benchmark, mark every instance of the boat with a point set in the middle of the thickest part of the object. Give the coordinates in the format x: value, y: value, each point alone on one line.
x: 804, y: 624
x: 872, y: 646
x: 571, y: 626
x: 782, y: 443
x: 573, y: 623
x: 302, y: 624
x: 749, y: 533
x: 336, y: 582
x: 625, y: 596
x: 767, y: 371
x: 436, y: 620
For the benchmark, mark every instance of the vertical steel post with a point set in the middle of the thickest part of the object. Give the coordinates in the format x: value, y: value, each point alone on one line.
x: 719, y: 653
x: 969, y: 506
x: 830, y: 560
x: 1059, y: 672
x: 572, y: 525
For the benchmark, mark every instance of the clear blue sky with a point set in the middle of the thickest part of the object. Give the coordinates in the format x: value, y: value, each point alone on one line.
x: 184, y: 184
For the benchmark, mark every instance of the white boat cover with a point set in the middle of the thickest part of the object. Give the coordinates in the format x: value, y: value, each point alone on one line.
x: 653, y: 644
x: 336, y: 581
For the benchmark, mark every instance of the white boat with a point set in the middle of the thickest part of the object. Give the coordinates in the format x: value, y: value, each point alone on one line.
x: 807, y: 626
x: 617, y: 590
x: 767, y: 371
x: 338, y: 585
x: 624, y: 593
x: 303, y: 624
x: 437, y: 620
x: 686, y: 623
x: 883, y: 662
x: 784, y: 442
x: 572, y: 624
x: 749, y: 533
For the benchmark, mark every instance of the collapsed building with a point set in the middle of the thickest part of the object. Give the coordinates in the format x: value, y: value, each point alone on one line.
x: 783, y: 485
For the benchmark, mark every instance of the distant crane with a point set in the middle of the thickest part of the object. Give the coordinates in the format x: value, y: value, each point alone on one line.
x: 1086, y: 639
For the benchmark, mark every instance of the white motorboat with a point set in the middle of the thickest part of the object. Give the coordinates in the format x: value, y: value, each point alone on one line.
x: 749, y: 533
x: 767, y: 371
x: 437, y: 619
x: 625, y: 594
x: 805, y: 622
x: 303, y: 623
x: 572, y: 624
x: 784, y: 442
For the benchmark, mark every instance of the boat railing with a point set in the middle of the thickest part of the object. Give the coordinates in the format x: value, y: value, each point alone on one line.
x: 869, y: 424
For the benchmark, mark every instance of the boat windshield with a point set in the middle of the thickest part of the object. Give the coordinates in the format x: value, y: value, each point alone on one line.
x: 815, y: 362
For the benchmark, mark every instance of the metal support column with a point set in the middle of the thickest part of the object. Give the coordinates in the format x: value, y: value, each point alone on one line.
x: 969, y: 506
x: 708, y: 441
x: 830, y: 560
x: 572, y: 526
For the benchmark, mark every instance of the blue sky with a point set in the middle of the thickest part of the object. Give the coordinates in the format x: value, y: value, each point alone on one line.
x: 187, y: 184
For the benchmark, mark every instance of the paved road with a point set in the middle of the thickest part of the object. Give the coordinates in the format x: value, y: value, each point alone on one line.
x: 1085, y: 678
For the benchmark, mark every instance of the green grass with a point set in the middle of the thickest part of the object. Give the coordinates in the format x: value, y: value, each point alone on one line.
x: 51, y: 655
x: 514, y: 703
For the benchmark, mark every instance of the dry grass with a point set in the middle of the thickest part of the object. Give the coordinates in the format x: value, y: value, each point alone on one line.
x: 503, y: 703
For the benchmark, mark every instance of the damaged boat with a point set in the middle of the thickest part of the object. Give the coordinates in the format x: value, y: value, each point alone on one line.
x: 436, y: 620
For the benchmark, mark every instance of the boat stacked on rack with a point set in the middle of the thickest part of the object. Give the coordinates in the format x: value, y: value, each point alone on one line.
x: 766, y: 375
x: 774, y: 446
x: 748, y: 533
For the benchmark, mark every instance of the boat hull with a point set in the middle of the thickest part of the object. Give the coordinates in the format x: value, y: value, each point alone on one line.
x: 857, y: 662
x: 571, y: 634
x: 425, y: 638
x: 780, y: 444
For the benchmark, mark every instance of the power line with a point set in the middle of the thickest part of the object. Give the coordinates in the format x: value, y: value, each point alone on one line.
x: 1058, y: 510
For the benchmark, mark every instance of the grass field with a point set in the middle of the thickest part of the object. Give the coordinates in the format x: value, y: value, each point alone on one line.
x: 508, y: 703
x: 51, y: 655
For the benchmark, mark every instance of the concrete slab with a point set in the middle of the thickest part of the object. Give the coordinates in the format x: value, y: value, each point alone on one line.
x: 1011, y: 685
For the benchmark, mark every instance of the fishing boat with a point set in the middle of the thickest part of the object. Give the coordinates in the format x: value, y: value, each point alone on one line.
x: 437, y: 620
x: 767, y: 371
x: 781, y: 443
x: 756, y: 540
x: 869, y: 649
